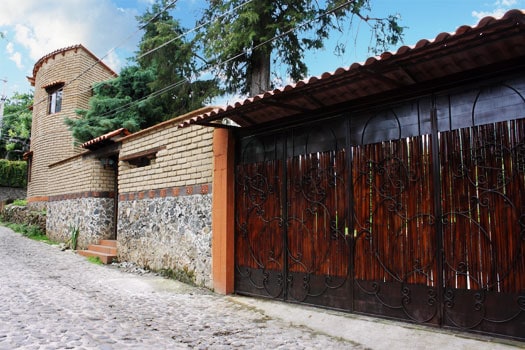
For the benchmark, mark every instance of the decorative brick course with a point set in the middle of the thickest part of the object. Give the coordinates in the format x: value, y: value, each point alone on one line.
x: 166, y: 192
x: 87, y: 194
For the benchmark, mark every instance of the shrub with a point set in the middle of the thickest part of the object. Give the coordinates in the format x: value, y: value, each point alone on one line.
x: 13, y: 173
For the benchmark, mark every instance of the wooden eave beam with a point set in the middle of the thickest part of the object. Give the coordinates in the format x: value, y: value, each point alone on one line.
x: 378, y: 76
x: 314, y: 100
x: 273, y: 102
x: 107, y: 150
x: 217, y: 125
x: 151, y: 153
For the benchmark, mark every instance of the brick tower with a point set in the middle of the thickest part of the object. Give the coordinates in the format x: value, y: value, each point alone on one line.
x: 63, y: 80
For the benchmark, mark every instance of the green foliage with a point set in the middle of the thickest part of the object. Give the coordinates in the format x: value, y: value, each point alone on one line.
x: 73, y: 239
x: 244, y: 40
x: 164, y: 49
x: 13, y: 173
x: 158, y: 88
x: 30, y: 231
x: 95, y: 260
x: 16, y: 126
x: 183, y: 275
x: 118, y: 103
x: 20, y: 202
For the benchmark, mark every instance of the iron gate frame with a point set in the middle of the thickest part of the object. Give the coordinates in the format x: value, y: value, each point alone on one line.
x: 433, y: 127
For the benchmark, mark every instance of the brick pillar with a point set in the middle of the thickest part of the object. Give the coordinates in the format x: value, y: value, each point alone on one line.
x: 223, y: 207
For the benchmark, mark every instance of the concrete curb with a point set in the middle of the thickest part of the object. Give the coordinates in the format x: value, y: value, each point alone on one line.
x: 375, y: 333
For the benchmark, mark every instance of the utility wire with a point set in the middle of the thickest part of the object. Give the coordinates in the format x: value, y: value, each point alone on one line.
x: 194, y: 29
x: 205, y: 69
x: 169, y: 41
x: 219, y: 64
x: 99, y: 60
x: 44, y: 100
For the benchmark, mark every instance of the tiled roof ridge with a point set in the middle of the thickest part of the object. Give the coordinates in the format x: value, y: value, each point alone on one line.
x: 109, y: 135
x: 63, y: 50
x: 486, y: 21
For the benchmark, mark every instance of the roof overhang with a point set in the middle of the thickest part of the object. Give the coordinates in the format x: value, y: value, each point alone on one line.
x: 493, y: 45
x: 105, y: 140
x: 62, y: 52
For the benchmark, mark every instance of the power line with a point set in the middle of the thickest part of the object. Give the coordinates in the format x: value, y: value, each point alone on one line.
x: 205, y: 69
x: 194, y: 29
x: 219, y: 64
x: 44, y: 100
x: 171, y: 86
x: 99, y: 60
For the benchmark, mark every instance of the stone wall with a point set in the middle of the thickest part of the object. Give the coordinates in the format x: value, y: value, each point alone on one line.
x: 12, y: 193
x: 23, y: 215
x: 92, y: 216
x: 168, y: 233
x: 164, y: 220
x: 81, y: 195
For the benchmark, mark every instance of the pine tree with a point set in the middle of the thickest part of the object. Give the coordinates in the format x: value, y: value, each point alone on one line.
x: 247, y: 34
x: 173, y: 57
x: 118, y: 103
x: 158, y: 87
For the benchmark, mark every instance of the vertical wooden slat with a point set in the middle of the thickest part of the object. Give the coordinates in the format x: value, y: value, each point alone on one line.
x: 390, y: 186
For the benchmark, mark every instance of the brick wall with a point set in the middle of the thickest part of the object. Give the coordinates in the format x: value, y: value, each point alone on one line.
x: 82, y: 195
x: 78, y: 175
x: 184, y: 159
x: 51, y: 140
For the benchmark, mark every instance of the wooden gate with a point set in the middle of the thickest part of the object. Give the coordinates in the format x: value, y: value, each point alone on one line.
x: 291, y: 216
x: 414, y: 212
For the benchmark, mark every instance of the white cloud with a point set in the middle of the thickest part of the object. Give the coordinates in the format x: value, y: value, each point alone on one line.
x: 112, y: 60
x: 505, y: 3
x: 42, y: 26
x: 495, y: 13
x: 14, y: 56
x: 500, y: 8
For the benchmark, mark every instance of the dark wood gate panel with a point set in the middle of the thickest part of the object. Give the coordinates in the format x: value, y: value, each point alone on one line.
x: 259, y: 246
x: 318, y: 251
x: 413, y: 212
x: 395, y: 268
x: 483, y: 191
x: 291, y: 241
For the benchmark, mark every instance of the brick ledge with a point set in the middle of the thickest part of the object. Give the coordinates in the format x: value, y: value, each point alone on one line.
x: 166, y: 192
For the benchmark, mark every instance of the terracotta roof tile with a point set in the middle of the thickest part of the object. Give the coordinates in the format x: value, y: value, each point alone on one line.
x: 62, y: 51
x: 105, y: 139
x: 448, y: 53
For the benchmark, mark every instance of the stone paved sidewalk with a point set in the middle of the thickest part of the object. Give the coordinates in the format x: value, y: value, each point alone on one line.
x: 51, y: 299
x: 58, y: 300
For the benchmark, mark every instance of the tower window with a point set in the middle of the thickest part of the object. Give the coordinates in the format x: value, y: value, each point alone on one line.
x: 54, y: 98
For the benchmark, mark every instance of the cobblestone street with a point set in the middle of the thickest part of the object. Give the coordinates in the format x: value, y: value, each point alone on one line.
x: 58, y: 300
x: 51, y: 299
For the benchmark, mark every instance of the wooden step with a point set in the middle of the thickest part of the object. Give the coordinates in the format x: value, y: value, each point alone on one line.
x: 108, y: 242
x: 106, y: 251
x: 102, y: 249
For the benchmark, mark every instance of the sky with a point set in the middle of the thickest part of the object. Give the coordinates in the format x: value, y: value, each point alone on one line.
x: 108, y: 28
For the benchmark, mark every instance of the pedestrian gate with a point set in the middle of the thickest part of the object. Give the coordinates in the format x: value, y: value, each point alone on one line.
x: 415, y: 211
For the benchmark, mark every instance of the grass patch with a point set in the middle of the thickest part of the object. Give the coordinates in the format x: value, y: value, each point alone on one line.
x: 95, y: 260
x: 184, y: 275
x: 30, y: 231
x: 20, y: 202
